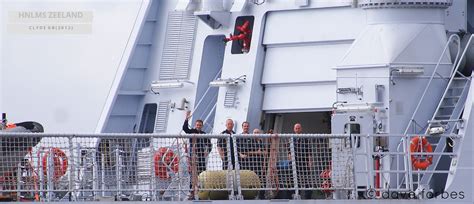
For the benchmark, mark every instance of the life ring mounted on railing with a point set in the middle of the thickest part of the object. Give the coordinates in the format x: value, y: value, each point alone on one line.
x: 326, y: 185
x: 165, y: 159
x: 60, y: 163
x: 421, y: 144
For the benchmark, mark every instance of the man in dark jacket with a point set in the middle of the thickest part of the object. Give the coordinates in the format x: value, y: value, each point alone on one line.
x: 222, y: 145
x: 199, y: 147
x: 304, y: 148
x: 198, y: 151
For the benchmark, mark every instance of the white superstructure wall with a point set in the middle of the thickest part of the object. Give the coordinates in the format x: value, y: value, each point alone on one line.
x: 63, y: 81
x: 302, y: 47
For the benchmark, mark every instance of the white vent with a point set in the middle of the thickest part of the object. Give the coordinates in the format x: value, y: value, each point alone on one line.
x: 229, y: 100
x: 367, y: 4
x: 162, y: 116
x: 179, y: 43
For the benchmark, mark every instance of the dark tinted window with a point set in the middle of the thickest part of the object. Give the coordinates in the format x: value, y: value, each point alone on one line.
x: 147, y: 123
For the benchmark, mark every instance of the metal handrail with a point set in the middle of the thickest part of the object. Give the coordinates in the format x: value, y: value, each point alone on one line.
x: 456, y: 63
x: 4, y: 135
x: 453, y: 74
x: 455, y: 66
x: 202, y: 99
x: 209, y: 115
x: 207, y: 90
x: 369, y: 152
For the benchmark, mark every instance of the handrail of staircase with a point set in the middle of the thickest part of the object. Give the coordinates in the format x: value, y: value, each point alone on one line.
x: 207, y: 90
x: 453, y: 74
x: 456, y: 67
x: 209, y: 115
x: 455, y: 64
x: 208, y: 107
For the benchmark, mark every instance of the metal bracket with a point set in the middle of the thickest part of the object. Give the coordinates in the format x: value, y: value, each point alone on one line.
x: 214, y: 19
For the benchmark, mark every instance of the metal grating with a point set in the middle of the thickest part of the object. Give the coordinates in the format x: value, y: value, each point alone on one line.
x: 179, y: 43
x: 162, y: 116
x: 229, y: 100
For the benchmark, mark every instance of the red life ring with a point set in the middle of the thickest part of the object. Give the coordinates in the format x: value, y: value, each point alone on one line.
x: 417, y: 160
x: 326, y: 174
x: 60, y: 163
x: 326, y: 184
x: 165, y: 158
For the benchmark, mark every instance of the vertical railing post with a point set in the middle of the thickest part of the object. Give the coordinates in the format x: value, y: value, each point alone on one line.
x: 294, y: 170
x: 95, y: 175
x: 354, y: 180
x: 18, y: 182
x: 237, y: 170
x: 102, y: 179
x: 369, y: 148
x: 50, y: 170
x: 192, y: 154
x: 230, y: 175
x: 408, y: 162
x: 397, y: 156
x: 72, y: 168
x: 41, y: 175
x: 153, y: 193
x: 118, y: 171
x: 179, y: 177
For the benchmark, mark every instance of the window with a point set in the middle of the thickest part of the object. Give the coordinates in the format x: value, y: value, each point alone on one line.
x: 353, y: 128
x: 243, y: 45
x: 147, y: 123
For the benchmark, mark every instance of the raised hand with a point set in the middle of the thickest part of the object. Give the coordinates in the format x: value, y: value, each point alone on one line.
x: 188, y: 114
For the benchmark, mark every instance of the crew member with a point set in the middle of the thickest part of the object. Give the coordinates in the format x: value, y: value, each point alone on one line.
x: 222, y: 145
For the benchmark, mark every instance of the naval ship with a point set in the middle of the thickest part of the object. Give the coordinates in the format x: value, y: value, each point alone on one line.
x: 361, y: 101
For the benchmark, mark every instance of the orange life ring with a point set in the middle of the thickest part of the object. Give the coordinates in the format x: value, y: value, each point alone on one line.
x: 60, y: 163
x: 165, y: 158
x: 421, y: 146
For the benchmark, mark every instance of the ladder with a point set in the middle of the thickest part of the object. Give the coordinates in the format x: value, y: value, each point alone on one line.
x: 446, y: 118
x: 444, y: 123
x: 412, y: 124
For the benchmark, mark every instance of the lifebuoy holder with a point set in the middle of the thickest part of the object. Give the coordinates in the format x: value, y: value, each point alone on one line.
x: 165, y: 159
x: 60, y: 163
x: 417, y: 145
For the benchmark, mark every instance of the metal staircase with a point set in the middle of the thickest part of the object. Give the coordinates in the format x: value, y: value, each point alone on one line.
x: 208, y: 110
x: 175, y: 61
x: 443, y: 124
x: 124, y: 112
x: 446, y: 117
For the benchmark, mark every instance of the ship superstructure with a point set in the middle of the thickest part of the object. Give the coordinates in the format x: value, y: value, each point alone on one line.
x: 382, y: 89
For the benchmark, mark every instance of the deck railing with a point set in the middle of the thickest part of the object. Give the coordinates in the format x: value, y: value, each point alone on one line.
x: 77, y: 167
